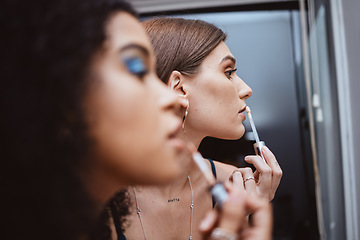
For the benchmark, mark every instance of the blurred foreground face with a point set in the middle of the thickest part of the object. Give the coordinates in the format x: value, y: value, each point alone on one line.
x: 131, y: 113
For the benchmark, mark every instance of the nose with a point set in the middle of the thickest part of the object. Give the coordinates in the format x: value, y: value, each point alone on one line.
x: 245, y: 91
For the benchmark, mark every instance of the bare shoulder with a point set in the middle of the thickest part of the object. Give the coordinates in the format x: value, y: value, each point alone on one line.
x: 223, y: 170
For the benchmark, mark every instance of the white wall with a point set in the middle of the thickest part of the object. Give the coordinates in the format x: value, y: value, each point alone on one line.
x: 346, y: 26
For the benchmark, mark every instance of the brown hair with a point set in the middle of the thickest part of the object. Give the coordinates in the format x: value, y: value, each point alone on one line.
x: 181, y: 44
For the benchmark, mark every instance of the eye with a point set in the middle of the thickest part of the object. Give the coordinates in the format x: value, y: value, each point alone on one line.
x: 228, y: 73
x: 136, y: 66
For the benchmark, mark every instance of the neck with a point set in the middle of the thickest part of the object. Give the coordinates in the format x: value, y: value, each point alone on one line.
x: 180, y: 184
x: 188, y: 166
x: 100, y: 185
x: 193, y: 137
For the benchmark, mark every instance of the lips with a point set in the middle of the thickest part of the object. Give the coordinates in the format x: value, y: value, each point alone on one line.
x: 176, y: 131
x: 243, y: 110
x: 174, y: 139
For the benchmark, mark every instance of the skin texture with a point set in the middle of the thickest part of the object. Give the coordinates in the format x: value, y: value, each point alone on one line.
x: 215, y: 98
x: 133, y: 119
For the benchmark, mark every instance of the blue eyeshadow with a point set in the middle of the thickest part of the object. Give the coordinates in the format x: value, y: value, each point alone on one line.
x: 136, y: 66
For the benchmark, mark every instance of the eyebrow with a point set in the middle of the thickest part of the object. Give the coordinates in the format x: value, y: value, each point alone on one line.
x: 137, y: 47
x: 228, y: 57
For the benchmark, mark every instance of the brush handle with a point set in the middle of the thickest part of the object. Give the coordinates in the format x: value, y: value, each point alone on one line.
x: 219, y: 193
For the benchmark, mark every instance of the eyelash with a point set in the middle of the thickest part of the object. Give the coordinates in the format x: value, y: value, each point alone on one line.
x: 136, y: 66
x: 228, y: 73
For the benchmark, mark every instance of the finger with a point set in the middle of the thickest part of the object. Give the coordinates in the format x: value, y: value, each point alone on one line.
x: 276, y: 169
x: 253, y: 202
x: 233, y: 211
x: 237, y: 180
x: 271, y: 160
x: 262, y: 218
x: 260, y: 165
x: 261, y: 224
x: 228, y: 185
x: 264, y: 175
x: 256, y: 175
x: 249, y: 180
x: 209, y: 222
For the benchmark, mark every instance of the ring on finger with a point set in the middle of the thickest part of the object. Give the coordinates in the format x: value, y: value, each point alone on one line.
x: 248, y: 179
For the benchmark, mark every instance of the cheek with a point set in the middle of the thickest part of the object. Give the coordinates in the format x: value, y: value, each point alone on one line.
x: 215, y: 99
x: 134, y: 150
x: 214, y: 110
x: 130, y: 138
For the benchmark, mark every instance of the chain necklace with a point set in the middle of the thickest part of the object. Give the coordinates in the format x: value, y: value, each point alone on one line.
x: 191, y: 207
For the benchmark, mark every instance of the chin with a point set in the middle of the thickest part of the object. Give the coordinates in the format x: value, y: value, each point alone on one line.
x: 159, y: 178
x: 229, y: 136
x: 234, y: 137
x: 234, y: 134
x: 165, y: 179
x: 166, y: 174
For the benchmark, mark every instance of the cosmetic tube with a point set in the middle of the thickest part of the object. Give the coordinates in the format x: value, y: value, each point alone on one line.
x: 217, y: 189
x: 219, y: 193
x: 257, y: 148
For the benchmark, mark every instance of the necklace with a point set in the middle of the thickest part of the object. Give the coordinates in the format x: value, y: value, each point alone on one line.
x: 191, y: 209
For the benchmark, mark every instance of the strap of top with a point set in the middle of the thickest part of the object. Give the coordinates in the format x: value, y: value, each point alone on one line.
x: 213, y: 169
x: 121, y: 235
x: 117, y: 223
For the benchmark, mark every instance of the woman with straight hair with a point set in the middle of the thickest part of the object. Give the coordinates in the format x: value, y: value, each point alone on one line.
x: 194, y: 61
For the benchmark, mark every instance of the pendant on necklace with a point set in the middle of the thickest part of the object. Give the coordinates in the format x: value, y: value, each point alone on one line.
x: 174, y: 200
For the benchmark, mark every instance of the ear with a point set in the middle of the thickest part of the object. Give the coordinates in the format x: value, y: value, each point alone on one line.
x: 176, y: 81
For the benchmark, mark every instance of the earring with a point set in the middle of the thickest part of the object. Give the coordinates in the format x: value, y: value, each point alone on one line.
x: 187, y: 109
x: 186, y: 113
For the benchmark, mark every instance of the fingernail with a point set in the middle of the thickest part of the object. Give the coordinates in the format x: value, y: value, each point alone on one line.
x: 246, y: 158
x: 236, y: 173
x: 265, y: 149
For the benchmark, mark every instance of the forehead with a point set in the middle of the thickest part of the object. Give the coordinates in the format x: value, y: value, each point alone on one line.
x: 218, y: 54
x: 124, y: 29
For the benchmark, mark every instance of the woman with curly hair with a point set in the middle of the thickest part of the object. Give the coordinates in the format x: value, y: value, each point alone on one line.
x: 83, y: 115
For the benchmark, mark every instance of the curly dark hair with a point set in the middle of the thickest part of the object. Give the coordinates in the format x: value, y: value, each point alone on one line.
x: 46, y: 47
x: 115, y: 212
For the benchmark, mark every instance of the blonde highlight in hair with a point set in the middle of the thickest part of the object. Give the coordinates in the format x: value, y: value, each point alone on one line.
x: 181, y: 44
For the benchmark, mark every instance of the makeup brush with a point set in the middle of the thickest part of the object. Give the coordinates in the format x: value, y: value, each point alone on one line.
x: 217, y: 189
x: 258, y: 144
